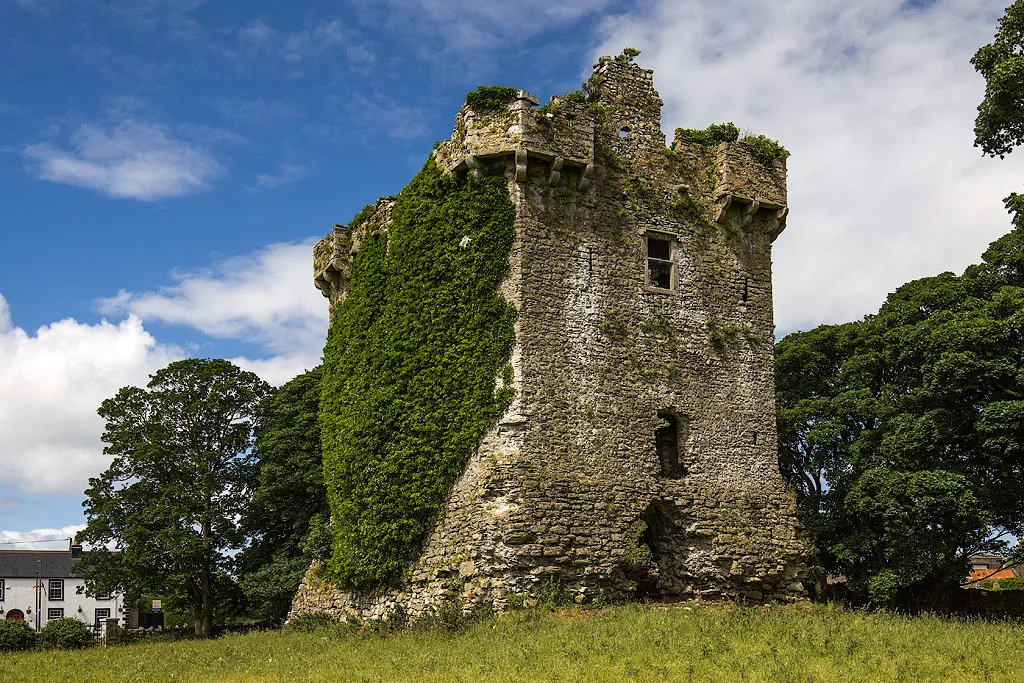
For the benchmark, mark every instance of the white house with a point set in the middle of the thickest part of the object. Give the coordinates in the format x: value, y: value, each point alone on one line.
x: 59, y: 593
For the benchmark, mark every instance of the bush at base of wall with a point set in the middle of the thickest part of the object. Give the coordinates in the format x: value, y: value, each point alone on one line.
x: 65, y: 634
x: 16, y: 635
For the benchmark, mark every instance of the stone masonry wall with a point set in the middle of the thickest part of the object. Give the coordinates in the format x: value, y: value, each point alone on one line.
x: 568, y: 486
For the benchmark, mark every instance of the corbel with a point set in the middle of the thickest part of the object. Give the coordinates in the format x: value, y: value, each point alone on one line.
x: 556, y: 171
x: 521, y: 165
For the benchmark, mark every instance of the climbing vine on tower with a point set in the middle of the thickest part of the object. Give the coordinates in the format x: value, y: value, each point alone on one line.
x: 411, y: 368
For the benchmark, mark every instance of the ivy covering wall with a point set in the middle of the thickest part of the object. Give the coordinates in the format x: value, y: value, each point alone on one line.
x: 412, y: 368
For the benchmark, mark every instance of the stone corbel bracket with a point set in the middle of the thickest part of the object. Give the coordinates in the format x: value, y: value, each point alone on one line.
x: 748, y: 209
x: 333, y: 278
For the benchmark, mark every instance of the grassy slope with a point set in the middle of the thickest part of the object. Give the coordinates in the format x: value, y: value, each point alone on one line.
x: 631, y: 643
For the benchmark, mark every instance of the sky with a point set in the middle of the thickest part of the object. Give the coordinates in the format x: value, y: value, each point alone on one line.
x: 166, y: 166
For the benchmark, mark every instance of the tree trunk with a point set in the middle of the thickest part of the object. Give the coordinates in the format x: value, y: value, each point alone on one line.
x: 206, y: 587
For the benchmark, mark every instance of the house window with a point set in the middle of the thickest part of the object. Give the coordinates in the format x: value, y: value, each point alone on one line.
x: 100, y: 614
x: 103, y: 596
x: 660, y: 264
x: 1, y: 590
x: 56, y: 589
x: 55, y: 613
x: 666, y: 442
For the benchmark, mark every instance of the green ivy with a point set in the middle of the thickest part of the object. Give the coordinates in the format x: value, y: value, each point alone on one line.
x: 365, y: 214
x: 491, y: 97
x: 764, y: 149
x: 712, y: 135
x: 410, y: 368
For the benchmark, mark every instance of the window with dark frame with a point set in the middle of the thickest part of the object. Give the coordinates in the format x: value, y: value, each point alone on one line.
x: 103, y: 596
x: 1, y: 590
x: 56, y: 589
x: 101, y: 613
x: 660, y: 266
x: 55, y: 613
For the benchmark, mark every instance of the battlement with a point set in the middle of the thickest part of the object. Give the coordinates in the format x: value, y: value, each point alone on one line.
x: 332, y: 255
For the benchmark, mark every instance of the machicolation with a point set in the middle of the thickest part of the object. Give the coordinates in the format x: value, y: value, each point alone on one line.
x: 635, y: 451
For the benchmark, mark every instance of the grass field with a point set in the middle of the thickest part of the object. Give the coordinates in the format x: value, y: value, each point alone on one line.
x: 632, y: 643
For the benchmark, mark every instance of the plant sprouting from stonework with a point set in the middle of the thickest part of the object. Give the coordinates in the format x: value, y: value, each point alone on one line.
x: 628, y: 55
x: 491, y: 97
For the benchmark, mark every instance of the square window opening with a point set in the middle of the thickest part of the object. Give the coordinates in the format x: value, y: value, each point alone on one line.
x: 55, y: 613
x: 100, y: 614
x: 660, y: 266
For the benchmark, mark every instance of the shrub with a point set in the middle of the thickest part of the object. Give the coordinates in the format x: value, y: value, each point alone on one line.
x: 491, y: 97
x: 712, y: 135
x: 1014, y: 584
x: 312, y: 621
x: 764, y: 149
x: 16, y: 635
x: 65, y: 634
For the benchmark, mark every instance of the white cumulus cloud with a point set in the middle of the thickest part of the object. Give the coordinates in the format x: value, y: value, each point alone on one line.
x: 130, y: 159
x: 875, y: 99
x: 51, y: 383
x: 266, y: 298
x: 39, y: 539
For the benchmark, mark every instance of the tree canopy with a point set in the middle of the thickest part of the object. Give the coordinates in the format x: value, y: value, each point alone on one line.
x: 903, y: 434
x: 287, y: 518
x: 181, y: 476
x: 999, y: 126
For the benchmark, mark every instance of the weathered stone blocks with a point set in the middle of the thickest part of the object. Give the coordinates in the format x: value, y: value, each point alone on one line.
x: 642, y: 276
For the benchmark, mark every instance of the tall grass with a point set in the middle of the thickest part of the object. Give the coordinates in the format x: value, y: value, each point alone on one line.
x: 633, y: 643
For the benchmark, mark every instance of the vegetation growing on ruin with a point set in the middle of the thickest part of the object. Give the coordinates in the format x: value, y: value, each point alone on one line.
x: 365, y: 214
x: 712, y: 135
x: 410, y: 368
x: 764, y: 149
x: 491, y: 97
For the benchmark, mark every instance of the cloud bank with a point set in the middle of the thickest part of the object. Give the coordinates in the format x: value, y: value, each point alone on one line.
x: 51, y: 383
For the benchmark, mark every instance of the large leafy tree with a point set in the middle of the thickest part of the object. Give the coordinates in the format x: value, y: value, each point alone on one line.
x: 181, y: 476
x: 999, y: 126
x: 903, y: 434
x: 287, y: 519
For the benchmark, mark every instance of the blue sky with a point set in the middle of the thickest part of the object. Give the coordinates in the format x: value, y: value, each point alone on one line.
x: 165, y: 165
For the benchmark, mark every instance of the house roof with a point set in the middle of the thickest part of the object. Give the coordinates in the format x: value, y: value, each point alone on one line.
x: 18, y: 564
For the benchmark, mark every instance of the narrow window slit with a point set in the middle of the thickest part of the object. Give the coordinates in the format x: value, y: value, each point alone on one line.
x: 666, y: 442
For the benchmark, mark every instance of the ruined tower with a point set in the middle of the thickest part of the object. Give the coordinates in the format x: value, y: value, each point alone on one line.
x: 638, y: 457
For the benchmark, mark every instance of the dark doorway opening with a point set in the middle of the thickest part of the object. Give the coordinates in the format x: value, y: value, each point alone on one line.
x: 15, y: 615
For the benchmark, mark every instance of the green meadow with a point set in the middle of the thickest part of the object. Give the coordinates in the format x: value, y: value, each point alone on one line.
x: 630, y: 643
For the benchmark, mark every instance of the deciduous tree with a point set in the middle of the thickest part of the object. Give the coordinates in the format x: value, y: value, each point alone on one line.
x: 180, y: 480
x: 287, y: 519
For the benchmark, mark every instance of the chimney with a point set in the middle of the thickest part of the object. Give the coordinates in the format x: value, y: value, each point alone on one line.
x: 76, y: 550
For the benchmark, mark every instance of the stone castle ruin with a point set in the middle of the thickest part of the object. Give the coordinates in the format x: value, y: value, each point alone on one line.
x: 638, y: 457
